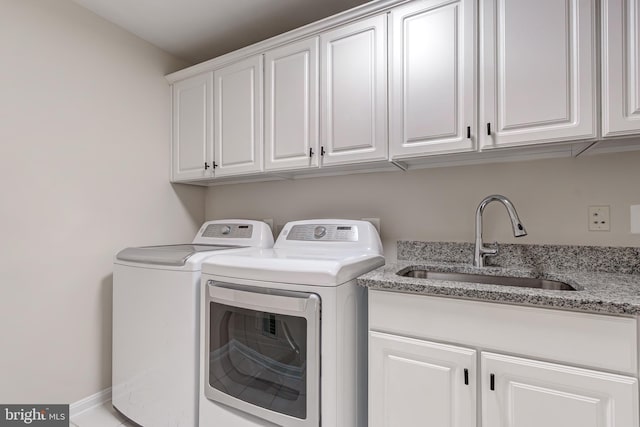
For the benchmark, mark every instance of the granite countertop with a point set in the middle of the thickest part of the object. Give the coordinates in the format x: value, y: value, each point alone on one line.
x: 597, y: 291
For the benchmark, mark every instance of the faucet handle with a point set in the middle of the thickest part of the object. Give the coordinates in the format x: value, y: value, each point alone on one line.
x: 490, y: 249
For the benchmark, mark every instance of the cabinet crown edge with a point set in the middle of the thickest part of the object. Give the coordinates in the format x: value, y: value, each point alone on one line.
x: 314, y: 28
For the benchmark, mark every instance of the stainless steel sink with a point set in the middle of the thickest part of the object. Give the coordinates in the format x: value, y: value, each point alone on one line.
x: 524, y: 282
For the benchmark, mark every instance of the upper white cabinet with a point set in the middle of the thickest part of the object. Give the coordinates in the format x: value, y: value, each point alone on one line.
x: 524, y: 392
x: 420, y: 383
x: 461, y: 76
x: 238, y: 132
x: 537, y: 65
x: 620, y: 67
x: 291, y: 106
x: 354, y: 92
x: 192, y: 140
x: 432, y: 81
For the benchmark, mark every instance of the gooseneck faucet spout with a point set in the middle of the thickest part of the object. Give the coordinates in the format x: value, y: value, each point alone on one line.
x: 482, y: 251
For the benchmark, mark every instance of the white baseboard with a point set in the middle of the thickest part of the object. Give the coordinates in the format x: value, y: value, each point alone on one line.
x: 90, y: 402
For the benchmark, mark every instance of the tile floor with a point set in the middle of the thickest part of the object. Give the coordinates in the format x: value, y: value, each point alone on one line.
x: 101, y: 416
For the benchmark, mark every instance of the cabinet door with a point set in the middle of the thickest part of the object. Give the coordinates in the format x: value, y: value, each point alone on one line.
x: 620, y: 67
x: 420, y: 383
x: 192, y: 139
x: 528, y: 393
x: 432, y: 78
x: 291, y: 106
x: 537, y: 71
x: 354, y: 92
x: 238, y: 117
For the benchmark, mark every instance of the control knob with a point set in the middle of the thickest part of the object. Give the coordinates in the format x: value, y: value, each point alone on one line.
x: 319, y: 232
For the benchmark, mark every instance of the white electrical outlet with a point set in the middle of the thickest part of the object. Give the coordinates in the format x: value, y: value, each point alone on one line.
x: 374, y: 221
x: 599, y: 218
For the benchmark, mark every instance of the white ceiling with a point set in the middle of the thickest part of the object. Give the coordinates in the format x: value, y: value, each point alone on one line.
x: 197, y: 30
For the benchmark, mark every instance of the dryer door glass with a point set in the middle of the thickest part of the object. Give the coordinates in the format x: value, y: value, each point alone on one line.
x: 259, y: 357
x: 263, y: 352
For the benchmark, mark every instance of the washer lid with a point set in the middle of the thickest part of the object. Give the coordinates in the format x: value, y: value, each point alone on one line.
x: 174, y: 255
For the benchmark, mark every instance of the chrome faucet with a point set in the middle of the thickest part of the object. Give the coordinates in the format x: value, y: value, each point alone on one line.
x: 482, y: 251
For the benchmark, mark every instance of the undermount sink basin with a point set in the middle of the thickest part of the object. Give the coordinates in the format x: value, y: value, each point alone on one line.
x: 523, y: 282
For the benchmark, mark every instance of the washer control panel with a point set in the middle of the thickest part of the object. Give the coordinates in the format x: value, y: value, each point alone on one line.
x: 229, y: 231
x: 324, y: 232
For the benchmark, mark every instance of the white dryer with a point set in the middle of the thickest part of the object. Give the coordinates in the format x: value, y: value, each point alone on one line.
x: 156, y: 319
x: 285, y: 329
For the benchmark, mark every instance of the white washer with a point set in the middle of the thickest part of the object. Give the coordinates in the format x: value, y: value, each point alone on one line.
x: 285, y: 329
x: 156, y: 319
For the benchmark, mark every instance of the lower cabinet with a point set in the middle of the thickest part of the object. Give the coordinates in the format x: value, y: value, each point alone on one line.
x: 528, y: 393
x: 418, y: 382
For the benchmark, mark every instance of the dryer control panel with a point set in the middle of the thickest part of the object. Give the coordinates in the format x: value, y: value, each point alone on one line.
x: 327, y: 235
x: 324, y: 232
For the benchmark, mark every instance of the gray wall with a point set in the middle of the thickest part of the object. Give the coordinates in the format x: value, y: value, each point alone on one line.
x: 439, y: 204
x: 84, y: 171
x: 84, y: 167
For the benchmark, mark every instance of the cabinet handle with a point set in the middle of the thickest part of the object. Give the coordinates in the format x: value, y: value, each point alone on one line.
x: 310, y: 152
x: 322, y: 150
x: 468, y: 132
x: 215, y: 165
x: 488, y: 128
x: 206, y: 165
x: 492, y: 382
x: 466, y: 377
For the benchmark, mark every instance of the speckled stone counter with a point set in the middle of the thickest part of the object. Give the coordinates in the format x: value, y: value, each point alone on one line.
x: 607, y: 280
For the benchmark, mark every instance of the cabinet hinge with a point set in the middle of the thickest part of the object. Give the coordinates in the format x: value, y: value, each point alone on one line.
x: 322, y: 150
x: 310, y: 152
x: 206, y: 165
x: 215, y: 165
